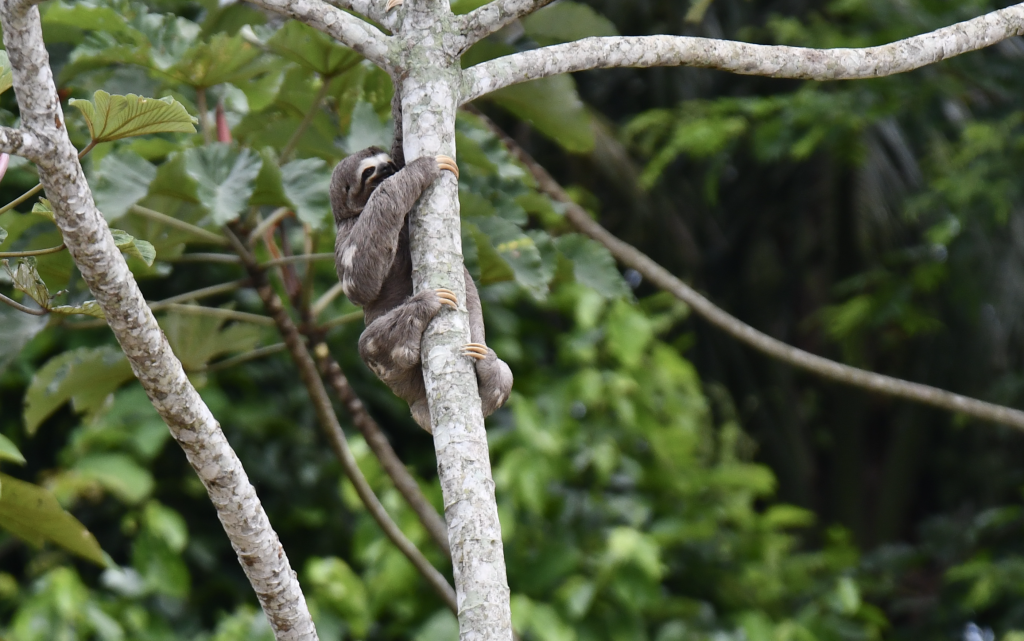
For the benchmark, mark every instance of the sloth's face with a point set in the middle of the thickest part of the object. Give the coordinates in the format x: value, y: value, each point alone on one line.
x: 355, y: 178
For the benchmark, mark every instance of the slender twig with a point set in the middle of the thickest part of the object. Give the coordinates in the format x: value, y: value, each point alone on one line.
x: 259, y: 352
x: 264, y: 225
x: 33, y: 252
x: 332, y: 428
x: 21, y: 308
x: 39, y: 186
x: 212, y: 290
x: 215, y: 312
x: 380, y: 446
x: 300, y: 258
x: 171, y: 221
x: 820, y: 366
x: 289, y: 147
x: 344, y: 319
x: 321, y: 303
x: 201, y: 257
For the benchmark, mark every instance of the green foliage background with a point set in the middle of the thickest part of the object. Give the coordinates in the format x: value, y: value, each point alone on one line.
x: 655, y: 480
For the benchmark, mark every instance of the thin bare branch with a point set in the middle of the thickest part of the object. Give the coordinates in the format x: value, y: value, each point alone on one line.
x: 105, y: 271
x: 264, y: 225
x: 197, y: 294
x: 662, y: 278
x: 170, y: 221
x: 344, y: 319
x: 201, y: 257
x: 214, y: 312
x: 744, y: 58
x: 298, y: 258
x: 483, y: 21
x: 332, y: 428
x: 22, y: 308
x: 343, y: 27
x: 326, y: 299
x: 33, y: 252
x: 259, y: 352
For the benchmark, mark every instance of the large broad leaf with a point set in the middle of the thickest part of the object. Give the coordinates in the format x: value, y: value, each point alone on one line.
x: 33, y: 514
x: 553, y: 107
x: 132, y: 246
x: 196, y: 340
x: 222, y: 59
x: 593, y: 265
x: 85, y: 376
x: 122, y: 179
x: 79, y: 17
x: 114, y: 117
x: 6, y: 74
x: 367, y: 130
x: 9, y: 451
x: 514, y: 248
x: 312, y: 49
x: 306, y: 182
x: 117, y: 473
x: 565, y: 22
x: 225, y: 176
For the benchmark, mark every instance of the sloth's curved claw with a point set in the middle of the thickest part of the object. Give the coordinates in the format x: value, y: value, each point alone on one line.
x: 478, y: 351
x: 447, y: 297
x: 445, y: 162
x: 392, y: 4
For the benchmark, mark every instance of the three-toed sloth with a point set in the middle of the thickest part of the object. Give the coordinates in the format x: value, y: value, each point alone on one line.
x: 371, y: 195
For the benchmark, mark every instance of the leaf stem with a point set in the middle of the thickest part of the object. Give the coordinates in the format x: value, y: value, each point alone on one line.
x: 206, y: 257
x: 212, y: 290
x: 264, y: 225
x: 344, y: 319
x: 21, y: 308
x: 33, y: 252
x: 259, y: 352
x: 321, y: 303
x: 306, y: 120
x: 300, y: 258
x: 171, y: 221
x: 215, y: 312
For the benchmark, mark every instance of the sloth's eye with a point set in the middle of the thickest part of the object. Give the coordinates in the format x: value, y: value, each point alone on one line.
x: 367, y: 173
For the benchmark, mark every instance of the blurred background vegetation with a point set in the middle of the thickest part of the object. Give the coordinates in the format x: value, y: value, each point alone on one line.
x: 655, y: 479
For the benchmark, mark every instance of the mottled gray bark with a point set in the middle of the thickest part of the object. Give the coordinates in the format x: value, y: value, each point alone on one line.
x: 103, y: 268
x: 429, y: 76
x: 743, y: 58
x: 343, y: 27
x: 483, y: 21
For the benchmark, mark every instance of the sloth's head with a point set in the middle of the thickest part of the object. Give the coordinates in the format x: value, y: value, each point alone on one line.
x: 355, y: 178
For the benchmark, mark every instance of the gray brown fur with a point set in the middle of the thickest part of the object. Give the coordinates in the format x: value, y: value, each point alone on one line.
x: 375, y: 269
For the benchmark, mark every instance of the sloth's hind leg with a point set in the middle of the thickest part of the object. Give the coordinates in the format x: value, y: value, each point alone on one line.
x: 390, y: 345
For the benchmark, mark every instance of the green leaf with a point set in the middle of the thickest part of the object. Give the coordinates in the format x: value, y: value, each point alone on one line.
x: 118, y: 474
x: 84, y: 17
x: 3, y: 235
x: 593, y: 265
x: 89, y: 308
x: 196, y: 340
x: 43, y: 208
x: 367, y: 130
x: 85, y: 376
x: 163, y: 569
x: 114, y: 117
x: 141, y: 249
x: 222, y: 59
x: 225, y: 176
x: 516, y: 249
x: 25, y: 278
x: 6, y: 73
x: 553, y: 107
x: 628, y: 332
x: 312, y: 49
x: 565, y: 22
x: 33, y: 514
x: 307, y: 182
x: 9, y: 451
x: 16, y: 330
x: 122, y: 180
x: 167, y: 525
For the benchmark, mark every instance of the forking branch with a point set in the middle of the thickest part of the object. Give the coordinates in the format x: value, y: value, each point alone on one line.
x: 773, y: 61
x: 483, y: 21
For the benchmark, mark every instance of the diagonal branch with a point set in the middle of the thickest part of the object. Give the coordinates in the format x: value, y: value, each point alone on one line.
x: 663, y: 279
x: 482, y: 22
x: 744, y: 58
x: 104, y: 269
x: 343, y: 27
x: 372, y: 9
x: 332, y: 428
